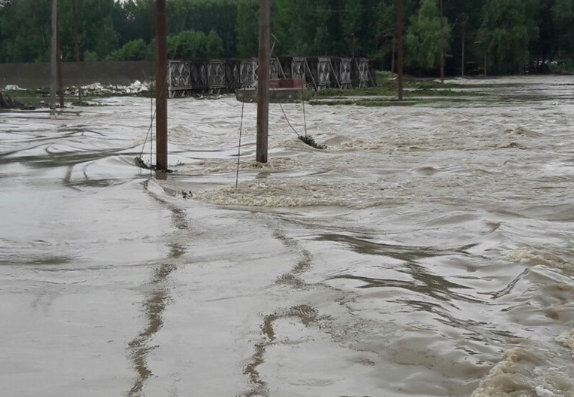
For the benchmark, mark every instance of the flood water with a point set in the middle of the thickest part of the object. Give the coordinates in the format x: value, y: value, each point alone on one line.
x: 428, y: 251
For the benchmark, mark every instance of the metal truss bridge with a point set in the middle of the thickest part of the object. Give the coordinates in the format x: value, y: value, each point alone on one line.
x: 198, y: 76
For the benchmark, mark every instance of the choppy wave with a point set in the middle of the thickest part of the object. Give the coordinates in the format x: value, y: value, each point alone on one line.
x: 522, y: 373
x: 424, y: 252
x: 535, y: 257
x: 567, y: 339
x: 283, y: 194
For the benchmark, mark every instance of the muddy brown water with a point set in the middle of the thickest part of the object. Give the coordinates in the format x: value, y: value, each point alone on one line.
x: 428, y: 251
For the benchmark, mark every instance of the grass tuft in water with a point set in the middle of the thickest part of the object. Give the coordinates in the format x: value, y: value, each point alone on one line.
x: 139, y: 162
x: 309, y: 140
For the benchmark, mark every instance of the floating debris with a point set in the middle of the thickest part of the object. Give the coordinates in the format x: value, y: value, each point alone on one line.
x: 309, y: 140
x: 138, y: 161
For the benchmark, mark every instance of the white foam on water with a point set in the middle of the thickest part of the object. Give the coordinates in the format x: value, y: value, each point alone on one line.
x: 359, y: 145
x: 523, y: 373
x: 298, y: 194
x: 567, y: 339
x: 213, y: 166
x: 522, y: 131
x: 534, y: 257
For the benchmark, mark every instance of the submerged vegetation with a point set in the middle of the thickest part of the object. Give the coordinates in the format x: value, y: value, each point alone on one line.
x: 310, y: 141
x: 7, y: 102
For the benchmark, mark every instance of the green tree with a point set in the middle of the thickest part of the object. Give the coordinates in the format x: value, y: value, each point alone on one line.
x: 350, y: 21
x: 106, y: 40
x: 247, y: 28
x: 136, y: 50
x: 185, y: 45
x: 563, y: 12
x: 504, y: 35
x: 90, y: 56
x: 26, y: 30
x: 191, y: 44
x: 385, y: 33
x: 424, y: 36
x: 213, y: 45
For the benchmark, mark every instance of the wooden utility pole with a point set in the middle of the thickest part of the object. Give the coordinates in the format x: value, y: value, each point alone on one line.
x: 263, y: 82
x: 463, y: 21
x: 393, y: 54
x: 53, y: 57
x: 161, y: 87
x: 60, y: 79
x: 77, y: 52
x: 441, y: 44
x: 400, y: 47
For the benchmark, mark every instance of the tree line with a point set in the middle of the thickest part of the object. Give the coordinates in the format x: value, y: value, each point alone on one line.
x: 501, y: 36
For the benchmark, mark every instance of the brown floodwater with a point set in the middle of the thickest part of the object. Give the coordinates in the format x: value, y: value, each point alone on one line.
x: 428, y: 251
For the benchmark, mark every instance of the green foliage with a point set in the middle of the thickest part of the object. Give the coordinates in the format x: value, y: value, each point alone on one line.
x: 510, y: 33
x: 247, y: 28
x: 136, y: 50
x: 90, y: 56
x: 566, y: 67
x: 107, y: 39
x: 188, y: 44
x: 350, y: 19
x: 504, y: 35
x: 384, y: 33
x: 563, y: 13
x: 426, y: 35
x: 213, y: 45
x: 191, y: 44
x: 26, y: 30
x: 307, y: 28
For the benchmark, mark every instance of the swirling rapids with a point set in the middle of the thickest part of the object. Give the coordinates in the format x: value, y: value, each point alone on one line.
x: 428, y: 251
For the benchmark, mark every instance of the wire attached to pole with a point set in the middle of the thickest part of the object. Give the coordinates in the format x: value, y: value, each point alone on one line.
x: 239, y: 146
x: 151, y: 114
x: 304, y: 115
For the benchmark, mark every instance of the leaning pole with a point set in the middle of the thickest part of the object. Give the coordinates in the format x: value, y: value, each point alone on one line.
x: 400, y: 48
x: 263, y: 82
x: 53, y: 57
x: 161, y: 87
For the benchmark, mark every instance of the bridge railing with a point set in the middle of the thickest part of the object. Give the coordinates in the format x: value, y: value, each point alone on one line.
x: 197, y: 76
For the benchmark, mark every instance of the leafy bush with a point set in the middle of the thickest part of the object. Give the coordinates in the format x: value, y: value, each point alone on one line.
x: 565, y: 67
x: 90, y: 56
x: 136, y: 50
x: 191, y: 44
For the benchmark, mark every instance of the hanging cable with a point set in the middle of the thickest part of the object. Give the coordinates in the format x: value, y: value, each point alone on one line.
x: 151, y: 130
x: 239, y: 146
x: 287, y: 119
x: 139, y: 160
x: 304, y: 115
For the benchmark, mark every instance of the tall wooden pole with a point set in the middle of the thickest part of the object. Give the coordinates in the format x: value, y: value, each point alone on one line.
x: 393, y: 54
x: 161, y: 87
x: 463, y: 21
x: 263, y: 82
x: 53, y: 57
x: 60, y: 79
x: 77, y: 52
x: 400, y: 47
x: 441, y: 44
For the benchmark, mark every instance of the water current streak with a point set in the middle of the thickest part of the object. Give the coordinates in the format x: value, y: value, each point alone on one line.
x: 155, y: 305
x: 306, y: 314
x: 154, y: 308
